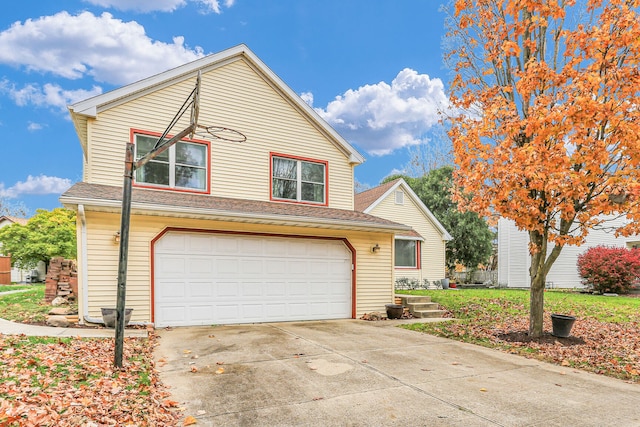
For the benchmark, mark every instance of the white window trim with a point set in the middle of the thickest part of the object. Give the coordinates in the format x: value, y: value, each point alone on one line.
x: 399, y: 197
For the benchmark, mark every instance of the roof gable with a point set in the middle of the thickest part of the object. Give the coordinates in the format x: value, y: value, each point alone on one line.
x: 363, y: 200
x: 91, y: 107
x: 368, y: 200
x: 13, y: 220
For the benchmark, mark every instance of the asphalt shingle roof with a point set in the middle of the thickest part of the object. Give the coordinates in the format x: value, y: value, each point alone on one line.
x: 366, y: 198
x: 92, y: 193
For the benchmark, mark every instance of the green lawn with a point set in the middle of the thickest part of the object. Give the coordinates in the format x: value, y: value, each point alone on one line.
x: 26, y: 306
x: 7, y: 288
x: 605, y: 338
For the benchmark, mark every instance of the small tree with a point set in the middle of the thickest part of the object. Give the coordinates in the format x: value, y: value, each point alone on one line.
x: 546, y: 123
x: 610, y: 269
x: 46, y: 235
x: 12, y: 209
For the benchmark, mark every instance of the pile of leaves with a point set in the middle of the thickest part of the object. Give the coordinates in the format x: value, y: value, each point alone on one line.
x: 72, y: 381
x: 605, y: 338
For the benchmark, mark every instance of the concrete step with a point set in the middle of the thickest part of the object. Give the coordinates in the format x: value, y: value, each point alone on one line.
x: 422, y: 306
x: 428, y: 313
x: 413, y: 299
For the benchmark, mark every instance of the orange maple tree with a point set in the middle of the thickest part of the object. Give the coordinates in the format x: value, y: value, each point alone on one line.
x: 546, y: 122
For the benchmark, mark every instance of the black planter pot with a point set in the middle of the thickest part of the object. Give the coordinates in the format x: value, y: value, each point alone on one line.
x: 562, y: 325
x: 394, y: 311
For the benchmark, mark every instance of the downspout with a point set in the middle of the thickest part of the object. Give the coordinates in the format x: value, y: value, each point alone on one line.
x: 85, y: 274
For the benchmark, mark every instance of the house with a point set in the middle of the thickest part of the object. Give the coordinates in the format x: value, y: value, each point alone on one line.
x: 514, y: 259
x: 419, y: 253
x: 225, y: 232
x: 20, y: 275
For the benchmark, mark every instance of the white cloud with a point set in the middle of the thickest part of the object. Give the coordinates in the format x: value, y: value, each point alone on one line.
x: 32, y: 126
x: 37, y: 185
x: 106, y: 48
x: 49, y: 95
x: 160, y: 5
x: 382, y: 118
x: 141, y: 5
x: 307, y: 97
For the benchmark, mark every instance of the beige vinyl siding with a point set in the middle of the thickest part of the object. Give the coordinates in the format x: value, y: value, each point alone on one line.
x: 234, y: 96
x: 374, y: 272
x: 433, y: 247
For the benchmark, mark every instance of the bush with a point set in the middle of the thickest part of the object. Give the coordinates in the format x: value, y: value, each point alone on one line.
x: 610, y: 269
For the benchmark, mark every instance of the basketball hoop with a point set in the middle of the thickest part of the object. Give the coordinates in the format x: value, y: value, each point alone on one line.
x: 221, y: 133
x: 192, y: 103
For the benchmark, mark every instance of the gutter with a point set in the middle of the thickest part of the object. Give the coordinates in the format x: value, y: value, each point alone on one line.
x: 232, y: 216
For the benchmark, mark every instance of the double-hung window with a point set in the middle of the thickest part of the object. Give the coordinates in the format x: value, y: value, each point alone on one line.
x: 299, y: 180
x: 185, y: 165
x: 406, y: 253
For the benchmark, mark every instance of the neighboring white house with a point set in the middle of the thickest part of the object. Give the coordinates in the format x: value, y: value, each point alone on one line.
x: 19, y: 275
x: 514, y: 260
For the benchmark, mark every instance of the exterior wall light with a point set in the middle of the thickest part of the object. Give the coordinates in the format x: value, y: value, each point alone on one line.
x: 116, y: 237
x: 376, y: 248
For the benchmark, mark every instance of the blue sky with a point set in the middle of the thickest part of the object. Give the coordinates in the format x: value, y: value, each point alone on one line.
x: 372, y: 68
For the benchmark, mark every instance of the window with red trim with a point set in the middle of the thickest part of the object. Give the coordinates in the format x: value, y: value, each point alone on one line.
x: 406, y: 253
x: 298, y: 180
x: 183, y: 166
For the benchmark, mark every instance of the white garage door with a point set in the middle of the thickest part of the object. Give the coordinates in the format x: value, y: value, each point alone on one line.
x: 205, y: 279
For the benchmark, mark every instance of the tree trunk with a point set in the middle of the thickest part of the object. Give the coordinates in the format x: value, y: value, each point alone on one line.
x: 536, y: 309
x: 540, y: 266
x: 538, y: 275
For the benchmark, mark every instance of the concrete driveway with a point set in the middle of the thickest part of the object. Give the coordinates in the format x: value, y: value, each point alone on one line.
x: 358, y: 373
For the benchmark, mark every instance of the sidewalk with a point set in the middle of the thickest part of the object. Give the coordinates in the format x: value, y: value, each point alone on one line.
x: 8, y: 327
x: 12, y: 328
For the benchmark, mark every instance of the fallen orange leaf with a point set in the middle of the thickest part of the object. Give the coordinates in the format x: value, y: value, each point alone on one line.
x: 189, y: 421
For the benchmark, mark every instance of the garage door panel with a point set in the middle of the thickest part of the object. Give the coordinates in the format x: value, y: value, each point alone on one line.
x: 169, y: 266
x: 252, y: 266
x: 298, y: 267
x: 201, y: 289
x: 170, y: 289
x: 171, y: 241
x: 199, y: 266
x: 199, y: 244
x: 276, y: 289
x: 297, y: 289
x: 227, y: 265
x: 227, y: 289
x: 200, y: 313
x: 216, y: 279
x: 226, y: 313
x: 250, y: 289
x: 173, y: 315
